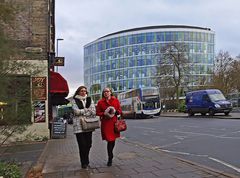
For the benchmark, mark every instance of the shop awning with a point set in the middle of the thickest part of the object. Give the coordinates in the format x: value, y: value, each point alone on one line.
x: 58, y: 89
x: 58, y: 84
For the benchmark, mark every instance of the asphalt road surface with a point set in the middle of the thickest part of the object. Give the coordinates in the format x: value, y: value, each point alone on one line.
x: 208, y: 141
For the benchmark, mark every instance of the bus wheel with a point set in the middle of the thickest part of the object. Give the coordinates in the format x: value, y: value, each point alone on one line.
x: 211, y: 112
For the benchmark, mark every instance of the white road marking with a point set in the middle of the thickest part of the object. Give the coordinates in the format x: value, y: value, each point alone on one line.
x: 175, y: 143
x: 222, y: 129
x: 180, y: 137
x: 226, y: 164
x: 183, y: 153
x: 194, y: 133
x: 148, y: 128
x: 191, y: 126
x: 153, y: 131
x: 206, y: 156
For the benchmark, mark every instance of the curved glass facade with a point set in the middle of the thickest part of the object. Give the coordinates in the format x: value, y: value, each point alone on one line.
x: 127, y: 59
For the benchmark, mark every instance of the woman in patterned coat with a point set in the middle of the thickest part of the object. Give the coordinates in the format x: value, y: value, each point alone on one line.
x: 108, y: 108
x: 82, y: 106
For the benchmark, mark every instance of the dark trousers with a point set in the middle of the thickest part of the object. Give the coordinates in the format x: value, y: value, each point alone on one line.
x: 110, y: 146
x: 84, y: 141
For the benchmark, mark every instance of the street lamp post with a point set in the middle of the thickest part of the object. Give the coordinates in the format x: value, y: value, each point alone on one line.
x: 59, y: 39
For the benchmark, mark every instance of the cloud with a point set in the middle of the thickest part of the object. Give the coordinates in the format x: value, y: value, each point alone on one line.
x: 82, y: 21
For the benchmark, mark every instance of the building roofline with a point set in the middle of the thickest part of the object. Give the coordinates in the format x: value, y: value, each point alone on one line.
x: 155, y: 27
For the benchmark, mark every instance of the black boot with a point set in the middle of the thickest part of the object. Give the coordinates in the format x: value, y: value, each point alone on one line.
x: 109, y: 163
x: 84, y: 166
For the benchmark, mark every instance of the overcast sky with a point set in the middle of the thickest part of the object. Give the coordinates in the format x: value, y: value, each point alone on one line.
x: 79, y: 22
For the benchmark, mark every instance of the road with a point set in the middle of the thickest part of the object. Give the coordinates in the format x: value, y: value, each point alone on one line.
x: 209, y: 141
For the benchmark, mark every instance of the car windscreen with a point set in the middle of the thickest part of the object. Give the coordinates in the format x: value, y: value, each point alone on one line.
x: 216, y: 97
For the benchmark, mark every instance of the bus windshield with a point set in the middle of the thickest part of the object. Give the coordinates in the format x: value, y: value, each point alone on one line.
x: 150, y: 91
x: 151, y: 105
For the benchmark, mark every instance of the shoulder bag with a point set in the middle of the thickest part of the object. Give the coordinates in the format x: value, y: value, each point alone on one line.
x: 90, y: 123
x: 120, y: 125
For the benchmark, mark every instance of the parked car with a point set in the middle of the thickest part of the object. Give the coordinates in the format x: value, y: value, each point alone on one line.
x: 207, y: 101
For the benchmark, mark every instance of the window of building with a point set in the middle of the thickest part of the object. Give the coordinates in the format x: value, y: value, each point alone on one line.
x: 132, y: 39
x: 113, y: 64
x: 108, y: 44
x: 130, y: 72
x: 160, y: 37
x: 130, y: 84
x: 123, y: 41
x: 130, y: 51
x: 125, y: 74
x: 121, y: 63
x: 149, y: 60
x: 140, y: 38
x: 114, y: 42
x: 130, y: 62
x: 144, y: 49
x: 139, y: 61
x: 100, y: 46
x: 108, y: 65
x: 17, y: 95
x: 136, y: 50
x: 169, y: 36
x: 125, y: 62
x: 120, y: 86
x: 150, y: 37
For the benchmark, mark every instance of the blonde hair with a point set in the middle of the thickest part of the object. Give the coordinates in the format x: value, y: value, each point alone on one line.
x: 109, y: 90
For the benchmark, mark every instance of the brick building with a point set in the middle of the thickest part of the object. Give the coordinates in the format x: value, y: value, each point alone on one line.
x: 32, y: 31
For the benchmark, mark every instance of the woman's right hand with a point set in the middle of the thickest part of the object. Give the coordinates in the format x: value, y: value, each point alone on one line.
x: 112, y: 111
x: 109, y: 112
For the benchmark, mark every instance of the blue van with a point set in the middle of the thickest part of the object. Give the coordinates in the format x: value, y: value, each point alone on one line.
x: 207, y: 101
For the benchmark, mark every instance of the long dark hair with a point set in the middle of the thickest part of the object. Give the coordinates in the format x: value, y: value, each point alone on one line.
x: 77, y: 91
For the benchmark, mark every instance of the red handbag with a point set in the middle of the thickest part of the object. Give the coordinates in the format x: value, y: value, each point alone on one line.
x: 120, y: 125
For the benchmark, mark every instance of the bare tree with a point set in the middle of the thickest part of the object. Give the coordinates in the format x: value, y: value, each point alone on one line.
x: 234, y: 75
x: 222, y: 66
x: 173, y: 66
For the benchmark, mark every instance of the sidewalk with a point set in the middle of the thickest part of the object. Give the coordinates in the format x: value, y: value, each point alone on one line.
x: 61, y: 160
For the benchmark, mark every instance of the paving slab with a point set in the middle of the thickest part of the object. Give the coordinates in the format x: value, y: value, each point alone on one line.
x: 61, y: 160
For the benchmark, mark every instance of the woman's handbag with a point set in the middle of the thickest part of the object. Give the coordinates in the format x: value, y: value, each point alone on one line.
x: 90, y: 123
x: 120, y: 125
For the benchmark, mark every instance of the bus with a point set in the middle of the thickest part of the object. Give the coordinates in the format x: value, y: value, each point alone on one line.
x: 140, y: 102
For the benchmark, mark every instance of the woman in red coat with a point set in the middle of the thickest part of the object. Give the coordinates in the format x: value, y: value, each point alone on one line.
x: 108, y: 108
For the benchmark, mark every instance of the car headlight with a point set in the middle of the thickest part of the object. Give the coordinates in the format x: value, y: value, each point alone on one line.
x: 217, y: 106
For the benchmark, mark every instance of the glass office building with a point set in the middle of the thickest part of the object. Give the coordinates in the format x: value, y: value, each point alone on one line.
x: 129, y: 58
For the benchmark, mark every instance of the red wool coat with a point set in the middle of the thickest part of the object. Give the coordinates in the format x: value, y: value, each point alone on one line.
x: 107, y: 125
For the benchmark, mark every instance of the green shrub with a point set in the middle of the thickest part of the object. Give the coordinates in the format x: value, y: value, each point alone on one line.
x: 182, y: 106
x: 10, y: 170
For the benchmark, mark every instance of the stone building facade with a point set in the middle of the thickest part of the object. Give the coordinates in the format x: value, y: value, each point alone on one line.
x: 32, y: 31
